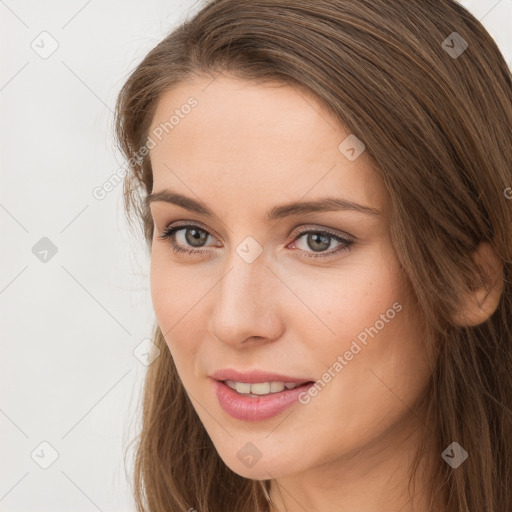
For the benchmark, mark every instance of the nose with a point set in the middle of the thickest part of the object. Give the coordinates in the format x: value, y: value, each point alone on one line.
x: 247, y: 304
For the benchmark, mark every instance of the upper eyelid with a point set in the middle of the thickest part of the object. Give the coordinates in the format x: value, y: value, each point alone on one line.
x: 184, y: 225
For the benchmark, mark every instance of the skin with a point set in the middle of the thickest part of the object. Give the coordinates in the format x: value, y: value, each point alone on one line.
x: 244, y: 149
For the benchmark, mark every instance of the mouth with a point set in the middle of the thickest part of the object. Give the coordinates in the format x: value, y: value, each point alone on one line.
x: 257, y: 377
x: 259, y: 389
x: 258, y: 401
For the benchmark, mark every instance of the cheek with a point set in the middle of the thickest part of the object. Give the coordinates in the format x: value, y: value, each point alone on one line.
x: 367, y: 316
x: 160, y: 279
x: 172, y: 304
x: 382, y: 369
x: 343, y: 302
x: 172, y: 290
x: 176, y: 320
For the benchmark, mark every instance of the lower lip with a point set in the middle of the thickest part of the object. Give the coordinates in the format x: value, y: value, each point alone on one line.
x: 260, y: 408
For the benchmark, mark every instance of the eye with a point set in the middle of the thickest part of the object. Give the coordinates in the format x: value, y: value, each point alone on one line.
x: 317, y: 240
x: 193, y: 235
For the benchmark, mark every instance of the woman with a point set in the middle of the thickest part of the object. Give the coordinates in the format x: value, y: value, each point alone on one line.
x: 324, y: 188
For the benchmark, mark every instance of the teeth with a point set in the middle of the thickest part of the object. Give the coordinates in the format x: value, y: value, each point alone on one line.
x: 259, y: 388
x: 242, y: 387
x: 276, y: 387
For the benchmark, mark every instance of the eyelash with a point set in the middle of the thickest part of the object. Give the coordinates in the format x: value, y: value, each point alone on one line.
x: 169, y: 231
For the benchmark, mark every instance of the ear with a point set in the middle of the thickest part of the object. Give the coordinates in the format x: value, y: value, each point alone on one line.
x: 484, y: 298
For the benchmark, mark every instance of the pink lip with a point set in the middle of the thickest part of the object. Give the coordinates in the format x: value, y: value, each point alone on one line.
x: 256, y: 376
x: 260, y: 408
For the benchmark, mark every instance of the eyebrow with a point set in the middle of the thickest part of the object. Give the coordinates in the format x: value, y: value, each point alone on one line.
x: 322, y: 204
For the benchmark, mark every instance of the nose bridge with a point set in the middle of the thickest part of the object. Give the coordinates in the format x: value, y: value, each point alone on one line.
x: 247, y: 274
x: 242, y: 288
x: 244, y: 306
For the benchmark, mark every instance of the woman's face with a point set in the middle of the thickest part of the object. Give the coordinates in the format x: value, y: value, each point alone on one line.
x: 312, y: 294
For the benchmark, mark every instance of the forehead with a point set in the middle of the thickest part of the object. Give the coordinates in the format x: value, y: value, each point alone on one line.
x: 254, y: 143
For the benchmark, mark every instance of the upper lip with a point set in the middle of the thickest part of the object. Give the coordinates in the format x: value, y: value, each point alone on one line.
x: 255, y: 376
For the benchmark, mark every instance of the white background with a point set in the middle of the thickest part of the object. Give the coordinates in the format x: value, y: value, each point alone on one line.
x: 68, y: 375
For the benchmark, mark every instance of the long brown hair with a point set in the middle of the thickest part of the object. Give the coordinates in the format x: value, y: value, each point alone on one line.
x: 434, y: 110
